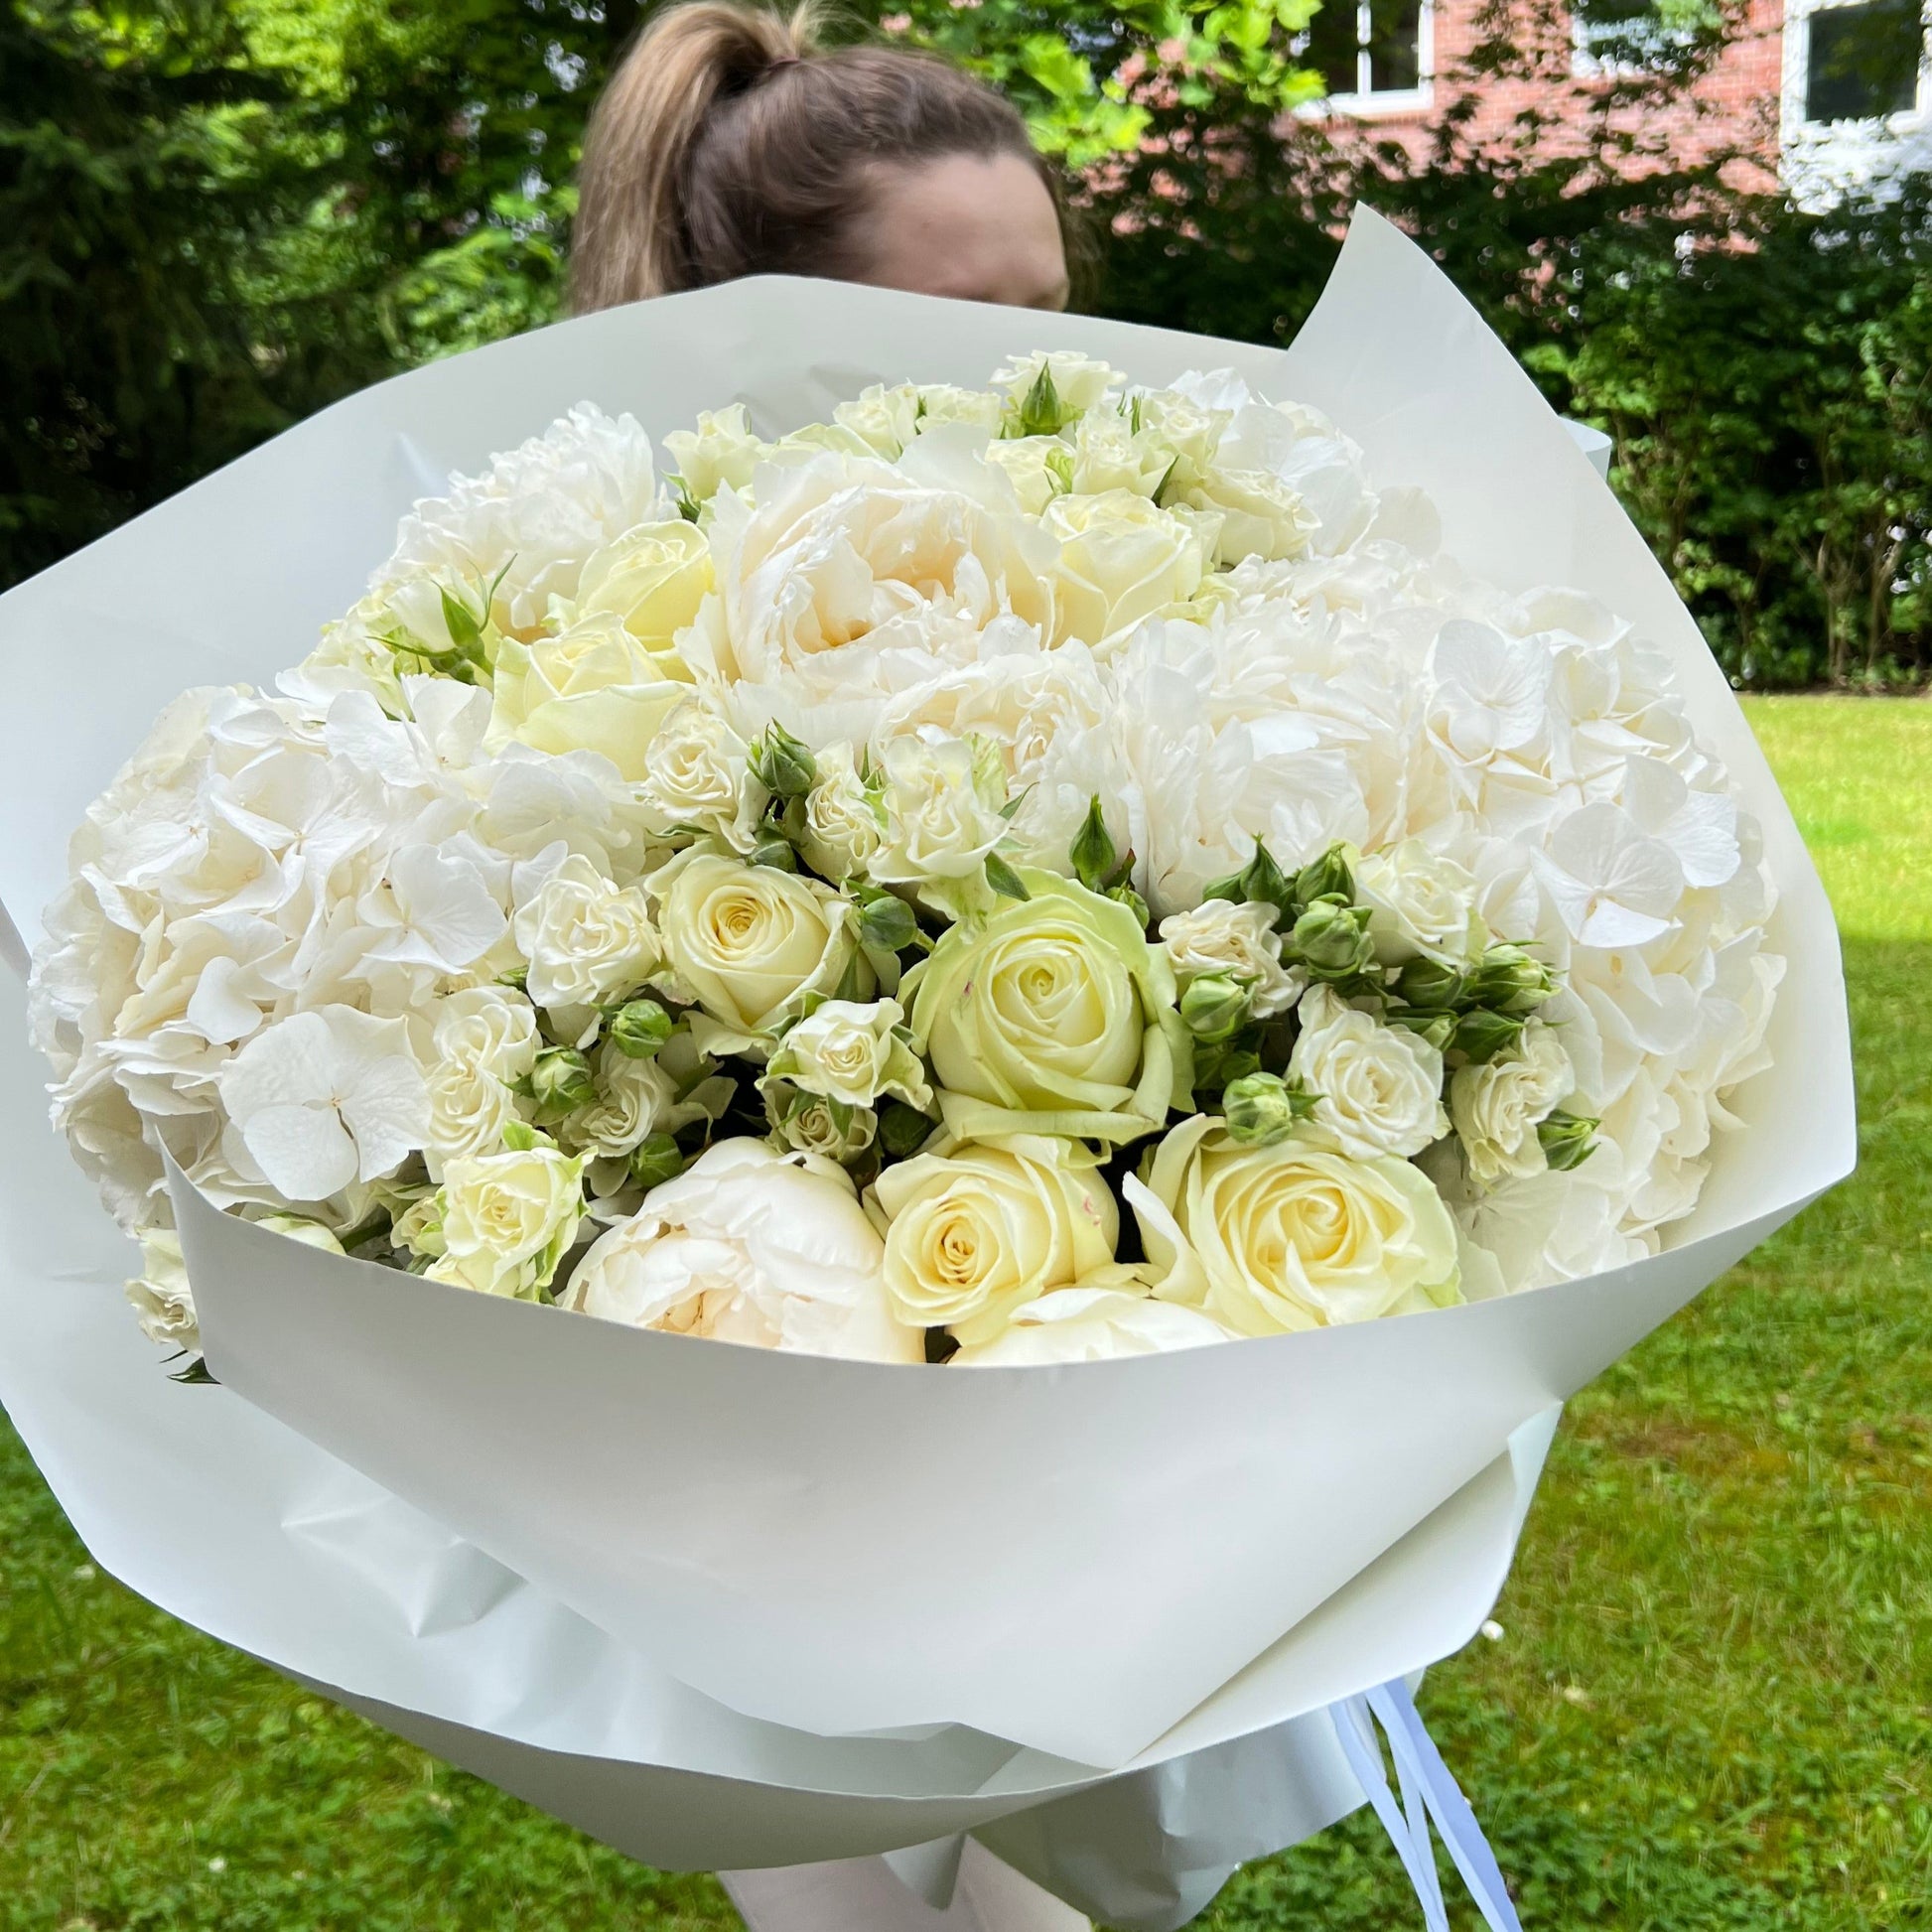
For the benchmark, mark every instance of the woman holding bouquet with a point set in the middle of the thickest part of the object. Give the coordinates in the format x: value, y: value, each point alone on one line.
x: 731, y: 142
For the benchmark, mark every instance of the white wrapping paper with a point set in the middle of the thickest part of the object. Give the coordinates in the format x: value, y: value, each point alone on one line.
x: 852, y: 1606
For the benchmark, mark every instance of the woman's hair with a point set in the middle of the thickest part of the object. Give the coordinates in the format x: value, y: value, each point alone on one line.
x: 729, y: 142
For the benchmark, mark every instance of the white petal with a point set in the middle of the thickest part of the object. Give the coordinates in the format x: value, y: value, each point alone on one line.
x: 304, y: 1152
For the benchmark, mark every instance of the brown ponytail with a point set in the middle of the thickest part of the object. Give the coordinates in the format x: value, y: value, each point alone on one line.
x: 729, y: 142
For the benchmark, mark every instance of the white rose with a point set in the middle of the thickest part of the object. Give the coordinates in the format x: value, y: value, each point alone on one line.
x: 1122, y: 561
x: 586, y: 939
x: 885, y: 418
x: 1420, y: 904
x: 1109, y: 455
x: 163, y: 1303
x: 1380, y: 1087
x: 698, y: 773
x: 635, y: 1098
x: 1091, y: 1325
x: 942, y: 402
x: 843, y: 822
x: 1261, y: 517
x: 941, y: 798
x: 470, y: 1112
x: 1038, y: 467
x: 720, y: 454
x: 854, y: 1055
x: 808, y: 1123
x: 1223, y: 936
x: 752, y: 946
x: 751, y: 1245
x: 972, y: 1234
x: 507, y: 1220
x: 1498, y: 1105
x: 485, y: 1029
x: 1080, y: 382
x: 1271, y: 1239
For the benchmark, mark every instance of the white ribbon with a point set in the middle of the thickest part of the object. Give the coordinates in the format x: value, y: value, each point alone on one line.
x: 1428, y: 1795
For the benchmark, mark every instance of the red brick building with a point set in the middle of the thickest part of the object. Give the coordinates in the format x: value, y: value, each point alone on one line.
x: 1822, y: 91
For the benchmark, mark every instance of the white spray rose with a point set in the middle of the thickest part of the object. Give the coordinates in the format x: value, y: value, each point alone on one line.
x: 752, y: 945
x: 1109, y: 455
x: 1270, y: 1239
x: 885, y: 417
x: 586, y: 939
x: 163, y: 1303
x: 1420, y: 904
x: 941, y: 798
x: 843, y: 822
x: 1380, y: 1087
x: 973, y: 1233
x: 485, y: 1029
x: 1223, y: 936
x: 1498, y: 1105
x: 1259, y: 514
x: 1081, y: 381
x: 699, y: 775
x: 751, y: 1245
x: 1122, y: 561
x: 943, y: 402
x: 1091, y: 1325
x: 720, y: 454
x: 507, y: 1220
x: 853, y: 1054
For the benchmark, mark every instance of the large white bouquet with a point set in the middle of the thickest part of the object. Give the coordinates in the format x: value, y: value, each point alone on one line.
x: 958, y: 878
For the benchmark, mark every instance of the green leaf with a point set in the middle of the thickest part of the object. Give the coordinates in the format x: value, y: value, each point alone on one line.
x: 1003, y: 879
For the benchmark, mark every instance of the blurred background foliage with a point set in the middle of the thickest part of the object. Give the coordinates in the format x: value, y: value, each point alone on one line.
x: 216, y: 215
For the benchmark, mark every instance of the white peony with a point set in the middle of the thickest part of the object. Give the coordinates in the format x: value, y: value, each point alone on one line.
x: 1091, y: 1325
x: 749, y: 1245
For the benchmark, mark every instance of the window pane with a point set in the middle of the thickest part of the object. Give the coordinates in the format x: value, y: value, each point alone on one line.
x: 1332, y: 46
x: 1394, y: 45
x: 1864, y: 61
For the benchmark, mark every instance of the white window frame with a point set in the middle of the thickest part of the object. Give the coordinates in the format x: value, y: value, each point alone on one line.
x: 1800, y: 131
x: 1366, y: 102
x: 1587, y: 64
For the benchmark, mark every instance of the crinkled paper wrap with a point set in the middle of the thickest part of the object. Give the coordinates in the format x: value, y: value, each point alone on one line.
x: 728, y: 1608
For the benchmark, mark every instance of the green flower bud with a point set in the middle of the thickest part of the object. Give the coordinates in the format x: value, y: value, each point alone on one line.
x: 1439, y: 1029
x: 1260, y: 878
x: 639, y: 1028
x: 1126, y: 896
x: 1259, y: 1109
x: 1425, y: 982
x: 783, y: 764
x: 1328, y: 877
x: 1568, y: 1139
x: 887, y: 924
x: 561, y: 1081
x: 1040, y: 411
x: 902, y: 1130
x: 1331, y: 940
x: 1483, y: 1035
x: 1215, y: 1006
x: 1510, y: 980
x: 656, y: 1157
x: 1092, y: 851
x: 773, y: 849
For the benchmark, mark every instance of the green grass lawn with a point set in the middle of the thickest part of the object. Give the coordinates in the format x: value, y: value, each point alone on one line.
x: 1711, y: 1706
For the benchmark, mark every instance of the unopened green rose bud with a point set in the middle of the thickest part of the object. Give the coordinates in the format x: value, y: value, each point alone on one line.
x: 1259, y: 1109
x: 887, y: 924
x: 1092, y: 851
x: 1331, y: 940
x: 1040, y: 411
x: 903, y: 1130
x: 1511, y: 980
x: 1328, y: 877
x: 656, y: 1157
x: 771, y: 847
x: 561, y: 1081
x: 1483, y: 1035
x: 1219, y: 1066
x: 1214, y: 1007
x: 1568, y: 1139
x: 783, y: 764
x: 1126, y: 896
x: 1425, y: 982
x: 639, y: 1028
x: 1439, y: 1029
x: 1260, y: 880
